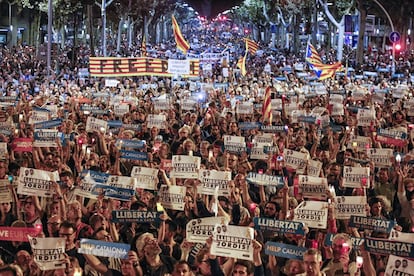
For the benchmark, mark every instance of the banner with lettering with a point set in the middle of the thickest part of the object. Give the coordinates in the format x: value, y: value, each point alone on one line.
x: 356, y: 242
x: 48, y: 253
x: 313, y: 187
x: 156, y: 120
x: 178, y: 66
x: 279, y: 226
x: 146, y: 178
x: 19, y: 234
x: 22, y: 145
x: 284, y: 250
x: 397, y: 266
x: 387, y: 247
x: 114, y: 192
x: 265, y: 179
x: 120, y: 181
x: 45, y: 138
x: 245, y: 108
x: 199, y: 230
x: 234, y: 144
x: 134, y: 155
x: 104, y: 249
x: 39, y: 117
x: 295, y: 160
x: 233, y: 241
x: 121, y: 109
x: 5, y: 193
x: 374, y: 224
x: 94, y: 124
x: 313, y: 213
x: 396, y: 137
x: 48, y: 124
x: 36, y: 182
x: 314, y: 167
x: 356, y: 177
x: 185, y: 166
x: 172, y: 197
x: 401, y: 236
x: 346, y: 206
x: 137, y: 66
x: 210, y: 179
x: 381, y: 157
x: 124, y: 216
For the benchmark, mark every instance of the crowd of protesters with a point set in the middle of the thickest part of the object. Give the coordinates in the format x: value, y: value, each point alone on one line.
x: 161, y: 248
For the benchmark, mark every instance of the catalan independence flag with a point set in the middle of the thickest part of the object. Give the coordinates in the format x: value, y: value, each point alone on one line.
x: 182, y: 44
x: 267, y: 106
x: 251, y: 46
x: 143, y: 46
x: 241, y: 63
x: 322, y: 71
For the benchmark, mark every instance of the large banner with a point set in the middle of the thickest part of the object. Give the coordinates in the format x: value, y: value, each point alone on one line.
x: 137, y: 66
x: 48, y: 252
x: 19, y: 234
x: 233, y: 241
x: 36, y: 182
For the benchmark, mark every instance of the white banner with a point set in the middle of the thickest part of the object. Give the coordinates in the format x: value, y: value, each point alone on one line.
x: 233, y: 241
x: 146, y: 178
x: 360, y: 143
x: 38, y: 116
x: 5, y: 193
x: 159, y: 121
x: 313, y: 187
x: 244, y: 108
x: 94, y: 124
x: 314, y: 168
x: 45, y: 138
x: 36, y: 182
x: 356, y: 177
x: 347, y: 206
x: 313, y: 213
x: 210, y: 179
x: 121, y: 109
x: 365, y: 117
x: 399, y: 266
x: 48, y: 253
x: 178, y: 66
x: 185, y: 166
x: 199, y: 230
x: 120, y: 181
x: 172, y: 197
x: 380, y: 157
x: 295, y: 160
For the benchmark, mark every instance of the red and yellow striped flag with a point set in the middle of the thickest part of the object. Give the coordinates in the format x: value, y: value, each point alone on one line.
x: 241, y: 63
x: 267, y: 106
x: 182, y: 44
x: 251, y: 46
x: 143, y: 47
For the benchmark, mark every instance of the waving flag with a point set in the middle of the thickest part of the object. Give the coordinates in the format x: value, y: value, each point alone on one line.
x: 322, y: 71
x: 251, y: 46
x: 241, y: 63
x: 143, y: 46
x: 182, y: 44
x: 267, y: 106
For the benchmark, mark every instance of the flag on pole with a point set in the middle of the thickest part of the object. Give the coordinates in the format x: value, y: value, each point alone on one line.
x: 251, y: 46
x: 143, y: 46
x: 182, y: 44
x: 241, y: 63
x: 322, y: 71
x: 267, y: 106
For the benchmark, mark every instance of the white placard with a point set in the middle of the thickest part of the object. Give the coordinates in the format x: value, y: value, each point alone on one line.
x: 121, y: 109
x: 94, y: 124
x: 244, y: 108
x: 356, y: 177
x: 156, y: 120
x: 347, y: 206
x: 111, y: 82
x: 5, y: 193
x: 361, y: 143
x: 314, y: 168
x: 313, y: 187
x: 233, y: 241
x: 313, y: 213
x: 36, y: 182
x: 380, y: 157
x: 294, y: 159
x: 3, y: 150
x: 365, y: 117
x: 38, y: 117
x: 120, y: 181
x: 48, y: 253
x: 199, y: 230
x: 399, y: 266
x: 146, y: 178
x: 210, y: 179
x: 45, y: 138
x: 179, y: 66
x: 185, y: 166
x: 172, y: 197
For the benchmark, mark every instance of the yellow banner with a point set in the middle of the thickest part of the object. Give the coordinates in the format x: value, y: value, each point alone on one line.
x: 138, y: 66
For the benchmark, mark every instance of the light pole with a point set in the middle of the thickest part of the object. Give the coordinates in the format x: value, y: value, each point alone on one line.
x: 392, y: 29
x: 49, y: 35
x: 103, y: 5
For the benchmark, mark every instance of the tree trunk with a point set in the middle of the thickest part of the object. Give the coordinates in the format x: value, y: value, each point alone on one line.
x: 90, y: 30
x: 361, y: 34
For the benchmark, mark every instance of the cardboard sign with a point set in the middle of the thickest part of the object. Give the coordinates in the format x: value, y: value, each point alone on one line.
x: 313, y: 213
x: 199, y: 230
x: 146, y: 178
x: 210, y: 179
x: 233, y: 241
x: 185, y: 166
x: 347, y: 206
x: 36, y: 182
x: 48, y: 252
x: 172, y: 197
